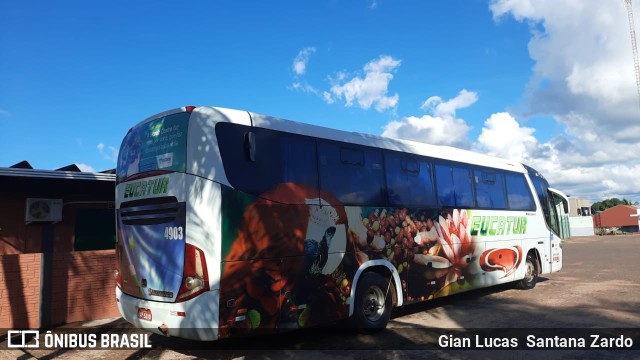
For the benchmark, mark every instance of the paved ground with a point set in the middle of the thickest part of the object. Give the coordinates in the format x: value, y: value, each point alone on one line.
x: 597, y: 290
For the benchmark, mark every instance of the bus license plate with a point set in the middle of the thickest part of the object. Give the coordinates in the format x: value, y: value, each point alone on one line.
x: 144, y: 314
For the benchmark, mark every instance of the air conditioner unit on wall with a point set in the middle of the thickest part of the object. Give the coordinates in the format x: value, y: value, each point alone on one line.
x: 43, y: 210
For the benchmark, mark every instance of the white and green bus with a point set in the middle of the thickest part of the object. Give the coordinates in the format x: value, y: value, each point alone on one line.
x: 230, y: 222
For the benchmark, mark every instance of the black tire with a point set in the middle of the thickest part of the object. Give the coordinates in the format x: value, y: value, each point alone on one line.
x: 372, y: 307
x: 532, y: 270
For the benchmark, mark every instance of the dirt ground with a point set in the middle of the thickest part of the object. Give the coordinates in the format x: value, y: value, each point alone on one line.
x: 597, y: 291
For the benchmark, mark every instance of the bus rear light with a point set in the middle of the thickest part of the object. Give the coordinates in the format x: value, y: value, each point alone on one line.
x: 193, y: 283
x: 189, y: 109
x: 195, y: 279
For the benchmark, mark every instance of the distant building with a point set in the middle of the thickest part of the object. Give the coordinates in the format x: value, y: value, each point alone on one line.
x: 60, y: 210
x: 57, y: 246
x: 579, y: 207
x: 623, y: 217
x: 580, y: 221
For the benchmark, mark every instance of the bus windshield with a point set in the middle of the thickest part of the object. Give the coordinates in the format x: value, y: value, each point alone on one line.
x: 550, y: 200
x: 159, y: 144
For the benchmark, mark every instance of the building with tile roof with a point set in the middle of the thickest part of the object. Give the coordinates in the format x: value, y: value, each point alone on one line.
x: 623, y: 217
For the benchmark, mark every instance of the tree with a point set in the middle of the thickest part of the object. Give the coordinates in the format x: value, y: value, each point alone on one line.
x: 609, y: 203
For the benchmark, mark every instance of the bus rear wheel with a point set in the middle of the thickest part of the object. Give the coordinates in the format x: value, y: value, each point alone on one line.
x: 532, y: 270
x: 372, y: 307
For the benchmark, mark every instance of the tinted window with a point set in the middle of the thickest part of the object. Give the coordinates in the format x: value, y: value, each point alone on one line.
x: 454, y: 186
x: 518, y: 193
x: 490, y: 189
x: 95, y: 230
x: 444, y: 184
x: 409, y: 181
x: 354, y: 174
x: 463, y: 187
x: 257, y: 163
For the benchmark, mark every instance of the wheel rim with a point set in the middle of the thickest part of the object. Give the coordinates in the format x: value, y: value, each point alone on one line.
x: 373, y: 304
x: 531, y: 271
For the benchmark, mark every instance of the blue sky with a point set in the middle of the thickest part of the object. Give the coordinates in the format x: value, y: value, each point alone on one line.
x: 550, y: 84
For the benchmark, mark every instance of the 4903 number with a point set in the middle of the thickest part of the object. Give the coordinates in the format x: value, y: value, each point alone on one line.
x: 174, y: 233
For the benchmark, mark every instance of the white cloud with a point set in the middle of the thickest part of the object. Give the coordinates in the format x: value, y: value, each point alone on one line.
x: 327, y: 97
x: 440, y: 128
x: 583, y: 78
x: 301, y: 60
x: 304, y: 87
x: 300, y: 68
x: 583, y: 58
x: 448, y: 109
x: 502, y: 136
x: 108, y: 152
x: 370, y: 90
x: 430, y: 130
x: 580, y: 168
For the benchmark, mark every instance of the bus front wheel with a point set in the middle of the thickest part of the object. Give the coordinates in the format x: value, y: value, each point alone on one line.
x: 372, y: 307
x: 532, y: 270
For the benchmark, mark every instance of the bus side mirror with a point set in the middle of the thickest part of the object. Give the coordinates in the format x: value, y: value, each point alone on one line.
x: 250, y: 146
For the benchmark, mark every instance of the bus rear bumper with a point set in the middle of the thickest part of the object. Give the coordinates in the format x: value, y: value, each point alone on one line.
x: 196, y: 319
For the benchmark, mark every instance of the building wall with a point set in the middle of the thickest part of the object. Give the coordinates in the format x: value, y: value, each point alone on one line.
x: 579, y: 207
x: 83, y: 288
x: 617, y: 216
x: 18, y: 237
x: 19, y: 291
x: 44, y: 282
x: 581, y: 226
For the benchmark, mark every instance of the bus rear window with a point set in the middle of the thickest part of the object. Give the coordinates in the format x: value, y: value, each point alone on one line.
x: 159, y: 144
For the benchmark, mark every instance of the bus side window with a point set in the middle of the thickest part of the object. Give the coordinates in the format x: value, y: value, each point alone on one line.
x: 444, y: 185
x: 454, y: 186
x: 409, y: 181
x: 298, y: 156
x: 256, y: 160
x: 518, y: 193
x: 490, y: 191
x: 463, y: 187
x: 354, y: 174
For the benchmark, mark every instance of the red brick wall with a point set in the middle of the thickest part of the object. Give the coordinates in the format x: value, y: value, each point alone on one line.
x: 19, y: 291
x: 83, y: 288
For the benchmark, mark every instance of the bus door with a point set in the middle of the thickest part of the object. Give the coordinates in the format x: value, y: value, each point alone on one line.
x: 558, y: 207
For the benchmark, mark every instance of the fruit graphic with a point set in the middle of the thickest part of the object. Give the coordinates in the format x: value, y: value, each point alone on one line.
x: 304, y: 318
x: 254, y: 318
